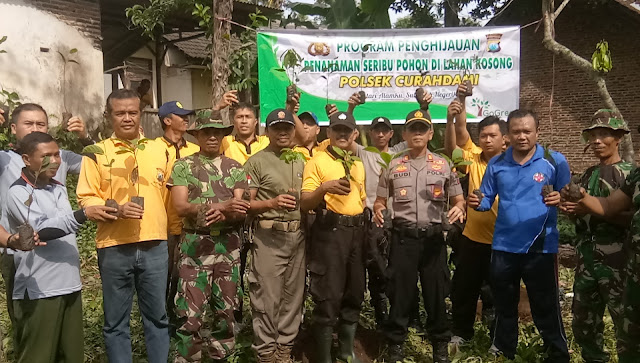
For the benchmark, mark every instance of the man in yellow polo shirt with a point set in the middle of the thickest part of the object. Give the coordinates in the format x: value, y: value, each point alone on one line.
x: 337, y: 264
x: 244, y: 141
x: 132, y: 250
x: 472, y: 268
x: 174, y: 122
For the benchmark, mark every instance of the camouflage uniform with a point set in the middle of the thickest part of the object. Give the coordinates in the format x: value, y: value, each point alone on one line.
x: 629, y: 333
x: 599, y: 276
x: 209, y: 283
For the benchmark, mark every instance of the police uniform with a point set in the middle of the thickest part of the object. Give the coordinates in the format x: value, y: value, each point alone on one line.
x: 277, y: 270
x: 419, y: 188
x: 599, y: 277
x: 209, y: 258
x: 337, y: 252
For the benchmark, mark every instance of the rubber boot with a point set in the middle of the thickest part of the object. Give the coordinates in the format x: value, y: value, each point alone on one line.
x: 323, y: 336
x: 441, y: 352
x: 346, y: 336
x: 381, y: 313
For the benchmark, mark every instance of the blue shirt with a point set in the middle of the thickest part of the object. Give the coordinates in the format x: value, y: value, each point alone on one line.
x: 523, y: 218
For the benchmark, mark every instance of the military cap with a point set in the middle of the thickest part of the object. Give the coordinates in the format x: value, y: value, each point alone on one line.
x: 280, y: 115
x: 608, y: 119
x: 214, y: 121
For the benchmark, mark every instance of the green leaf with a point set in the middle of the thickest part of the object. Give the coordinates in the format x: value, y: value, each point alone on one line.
x: 465, y: 162
x: 338, y: 151
x: 3, y: 39
x: 29, y: 200
x: 372, y: 149
x: 73, y: 50
x: 386, y: 158
x: 92, y: 149
x: 122, y: 151
x: 457, y: 154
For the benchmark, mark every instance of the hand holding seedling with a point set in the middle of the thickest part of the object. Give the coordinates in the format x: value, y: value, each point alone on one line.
x: 572, y: 207
x: 339, y: 187
x: 77, y: 126
x: 2, y: 120
x: 473, y: 201
x: 131, y: 210
x: 235, y: 206
x: 456, y: 214
x: 378, y: 217
x: 13, y: 241
x: 454, y: 109
x: 214, y: 216
x: 294, y: 104
x: 552, y: 199
x: 100, y: 213
x: 283, y: 201
x: 462, y: 92
x: 353, y: 101
x: 331, y: 109
x: 229, y: 98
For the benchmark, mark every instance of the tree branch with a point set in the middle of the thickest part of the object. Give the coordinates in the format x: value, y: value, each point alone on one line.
x: 560, y: 8
x: 548, y: 17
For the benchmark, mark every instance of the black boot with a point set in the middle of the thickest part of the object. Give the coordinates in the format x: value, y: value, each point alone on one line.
x: 346, y: 336
x: 323, y: 336
x: 381, y: 313
x: 395, y: 353
x: 440, y: 352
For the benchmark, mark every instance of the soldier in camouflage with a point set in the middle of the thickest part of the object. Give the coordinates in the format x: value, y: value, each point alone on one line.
x: 599, y: 276
x: 207, y: 190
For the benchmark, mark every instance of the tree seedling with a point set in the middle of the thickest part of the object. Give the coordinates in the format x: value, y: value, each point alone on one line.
x: 66, y: 60
x: 97, y: 150
x: 328, y: 70
x: 26, y: 240
x: 133, y: 147
x: 457, y: 161
x: 361, y: 94
x: 547, y: 188
x: 385, y: 164
x: 290, y: 157
x: 292, y: 66
x: 347, y: 159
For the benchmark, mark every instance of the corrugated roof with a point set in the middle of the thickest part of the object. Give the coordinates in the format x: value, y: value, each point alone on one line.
x: 197, y: 47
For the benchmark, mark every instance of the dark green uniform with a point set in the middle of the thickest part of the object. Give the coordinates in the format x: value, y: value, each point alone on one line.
x: 209, y: 260
x: 599, y: 277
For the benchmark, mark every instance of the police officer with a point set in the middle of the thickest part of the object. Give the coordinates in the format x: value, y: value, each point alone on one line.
x: 333, y: 185
x: 277, y: 270
x: 420, y: 183
x: 207, y: 189
x: 599, y: 278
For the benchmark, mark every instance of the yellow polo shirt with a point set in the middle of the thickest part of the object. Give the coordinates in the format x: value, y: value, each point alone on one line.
x: 322, y: 168
x: 479, y: 226
x: 239, y: 151
x: 308, y: 153
x: 97, y: 183
x: 172, y: 153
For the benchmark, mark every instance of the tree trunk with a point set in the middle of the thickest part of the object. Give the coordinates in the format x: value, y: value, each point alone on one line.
x: 451, y: 10
x: 220, y: 50
x: 548, y: 18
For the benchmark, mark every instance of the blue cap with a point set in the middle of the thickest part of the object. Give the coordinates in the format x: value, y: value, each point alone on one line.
x: 173, y: 107
x: 309, y: 115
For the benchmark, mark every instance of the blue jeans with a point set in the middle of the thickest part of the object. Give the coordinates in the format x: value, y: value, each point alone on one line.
x: 142, y: 266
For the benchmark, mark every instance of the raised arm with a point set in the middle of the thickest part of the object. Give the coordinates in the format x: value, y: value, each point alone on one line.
x: 451, y: 130
x: 462, y: 135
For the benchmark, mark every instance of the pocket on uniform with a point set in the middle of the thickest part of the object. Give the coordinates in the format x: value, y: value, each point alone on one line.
x: 317, y: 285
x: 403, y: 191
x: 255, y: 293
x: 436, y: 191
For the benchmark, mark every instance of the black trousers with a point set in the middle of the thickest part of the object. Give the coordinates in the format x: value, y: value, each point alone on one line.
x: 408, y: 258
x: 472, y: 270
x: 538, y: 272
x: 337, y: 272
x: 376, y: 263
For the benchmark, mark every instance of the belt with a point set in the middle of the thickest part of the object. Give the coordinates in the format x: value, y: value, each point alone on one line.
x: 204, y: 232
x: 415, y: 232
x: 282, y: 226
x: 329, y: 217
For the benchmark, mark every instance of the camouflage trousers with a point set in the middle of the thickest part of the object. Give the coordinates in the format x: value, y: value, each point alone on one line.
x: 599, y: 283
x: 208, y: 292
x: 629, y: 333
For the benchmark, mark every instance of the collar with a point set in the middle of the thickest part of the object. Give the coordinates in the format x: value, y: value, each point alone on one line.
x: 178, y: 145
x: 25, y: 177
x: 538, y: 154
x: 200, y: 155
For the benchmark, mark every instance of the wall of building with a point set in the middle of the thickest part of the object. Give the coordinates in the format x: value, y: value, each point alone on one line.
x: 36, y: 31
x: 575, y: 98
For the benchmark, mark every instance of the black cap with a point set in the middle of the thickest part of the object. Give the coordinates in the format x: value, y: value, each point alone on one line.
x: 280, y: 115
x: 418, y: 115
x: 381, y: 120
x: 342, y: 118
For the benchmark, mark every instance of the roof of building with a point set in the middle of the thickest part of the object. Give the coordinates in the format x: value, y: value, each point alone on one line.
x: 196, y: 44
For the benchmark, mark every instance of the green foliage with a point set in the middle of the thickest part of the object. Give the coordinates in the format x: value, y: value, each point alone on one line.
x: 243, y: 58
x: 291, y: 63
x: 11, y: 99
x: 601, y: 58
x: 66, y: 140
x: 290, y: 156
x: 347, y: 159
x: 457, y: 161
x: 385, y: 156
x: 345, y: 14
